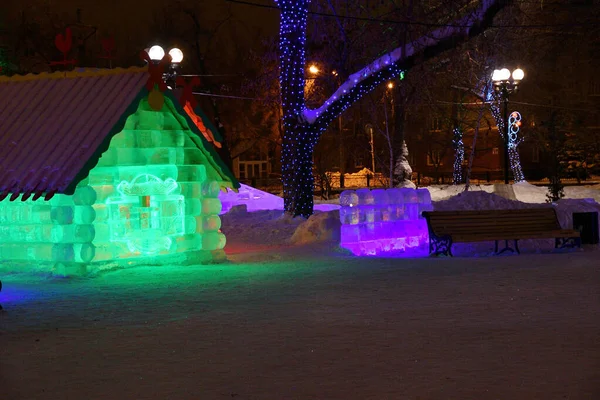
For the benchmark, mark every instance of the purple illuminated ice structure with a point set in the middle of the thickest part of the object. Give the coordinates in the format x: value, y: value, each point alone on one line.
x: 383, y: 220
x: 254, y: 199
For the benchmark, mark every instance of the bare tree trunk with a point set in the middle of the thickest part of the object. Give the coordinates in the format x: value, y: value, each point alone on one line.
x: 473, y: 146
x: 224, y: 152
x: 390, y: 142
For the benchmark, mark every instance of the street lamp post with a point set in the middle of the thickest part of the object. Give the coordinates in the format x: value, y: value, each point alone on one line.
x: 314, y: 70
x: 156, y: 54
x: 506, y: 84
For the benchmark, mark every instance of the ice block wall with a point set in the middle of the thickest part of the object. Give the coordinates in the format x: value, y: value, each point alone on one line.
x: 59, y: 230
x: 152, y: 195
x: 156, y: 195
x: 383, y: 220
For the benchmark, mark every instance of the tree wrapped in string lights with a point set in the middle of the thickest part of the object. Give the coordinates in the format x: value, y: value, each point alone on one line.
x: 514, y: 139
x: 459, y: 155
x: 303, y: 127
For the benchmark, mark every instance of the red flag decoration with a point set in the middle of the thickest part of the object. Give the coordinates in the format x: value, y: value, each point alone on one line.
x: 108, y: 46
x: 63, y: 44
x: 156, y: 71
x: 189, y: 102
x: 155, y: 83
x: 187, y: 94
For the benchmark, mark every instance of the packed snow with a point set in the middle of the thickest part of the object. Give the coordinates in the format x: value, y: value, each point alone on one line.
x: 291, y: 315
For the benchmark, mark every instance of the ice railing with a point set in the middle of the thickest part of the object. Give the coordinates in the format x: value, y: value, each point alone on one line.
x: 383, y: 220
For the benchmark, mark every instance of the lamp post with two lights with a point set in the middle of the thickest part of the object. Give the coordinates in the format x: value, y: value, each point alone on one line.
x: 506, y: 83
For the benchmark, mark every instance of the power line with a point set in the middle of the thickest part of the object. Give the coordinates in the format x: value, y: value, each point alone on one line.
x: 557, y: 107
x: 479, y: 103
x: 428, y: 24
x: 225, y: 96
x: 474, y: 103
x: 204, y: 75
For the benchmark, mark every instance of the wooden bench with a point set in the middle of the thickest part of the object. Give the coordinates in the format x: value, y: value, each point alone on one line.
x: 448, y: 227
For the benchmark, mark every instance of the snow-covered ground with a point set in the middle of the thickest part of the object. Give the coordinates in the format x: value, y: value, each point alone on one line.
x: 292, y: 316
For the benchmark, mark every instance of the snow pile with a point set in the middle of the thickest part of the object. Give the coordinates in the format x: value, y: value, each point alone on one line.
x: 583, y: 192
x: 320, y: 227
x: 443, y: 192
x: 480, y: 200
x: 566, y: 207
x: 528, y: 193
x: 265, y: 227
x: 524, y: 191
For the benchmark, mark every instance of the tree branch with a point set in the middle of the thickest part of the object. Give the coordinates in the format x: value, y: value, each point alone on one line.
x: 393, y: 63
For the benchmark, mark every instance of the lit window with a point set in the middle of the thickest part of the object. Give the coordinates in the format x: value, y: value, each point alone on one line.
x: 436, y: 124
x: 434, y: 157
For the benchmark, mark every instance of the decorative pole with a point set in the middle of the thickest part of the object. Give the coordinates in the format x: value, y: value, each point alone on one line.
x: 506, y: 135
x: 162, y: 69
x: 506, y: 84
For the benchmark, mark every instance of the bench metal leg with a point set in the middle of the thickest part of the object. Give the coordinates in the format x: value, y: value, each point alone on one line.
x: 507, y: 248
x: 561, y: 243
x: 440, y: 245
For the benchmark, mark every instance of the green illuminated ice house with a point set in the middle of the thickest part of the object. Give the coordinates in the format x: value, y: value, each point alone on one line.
x: 102, y: 168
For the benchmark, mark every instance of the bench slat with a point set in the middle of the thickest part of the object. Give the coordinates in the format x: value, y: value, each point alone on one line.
x: 492, y: 225
x: 508, y: 236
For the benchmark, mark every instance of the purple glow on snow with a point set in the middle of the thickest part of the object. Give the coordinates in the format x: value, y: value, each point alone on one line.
x: 12, y: 295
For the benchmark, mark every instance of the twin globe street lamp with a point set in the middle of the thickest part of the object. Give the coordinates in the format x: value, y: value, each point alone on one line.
x: 506, y: 84
x: 156, y: 54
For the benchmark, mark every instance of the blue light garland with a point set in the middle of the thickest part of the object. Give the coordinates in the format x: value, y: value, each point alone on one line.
x: 459, y: 155
x: 301, y: 130
x: 297, y: 147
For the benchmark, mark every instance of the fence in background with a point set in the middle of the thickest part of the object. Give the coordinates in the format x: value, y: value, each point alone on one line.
x: 331, y: 182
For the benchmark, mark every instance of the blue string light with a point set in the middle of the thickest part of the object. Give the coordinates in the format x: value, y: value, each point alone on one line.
x: 297, y: 148
x: 459, y: 155
x: 513, y: 141
x: 303, y: 127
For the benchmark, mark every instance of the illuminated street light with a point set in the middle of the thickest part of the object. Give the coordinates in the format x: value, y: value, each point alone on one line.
x: 176, y: 55
x: 156, y: 53
x: 313, y: 69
